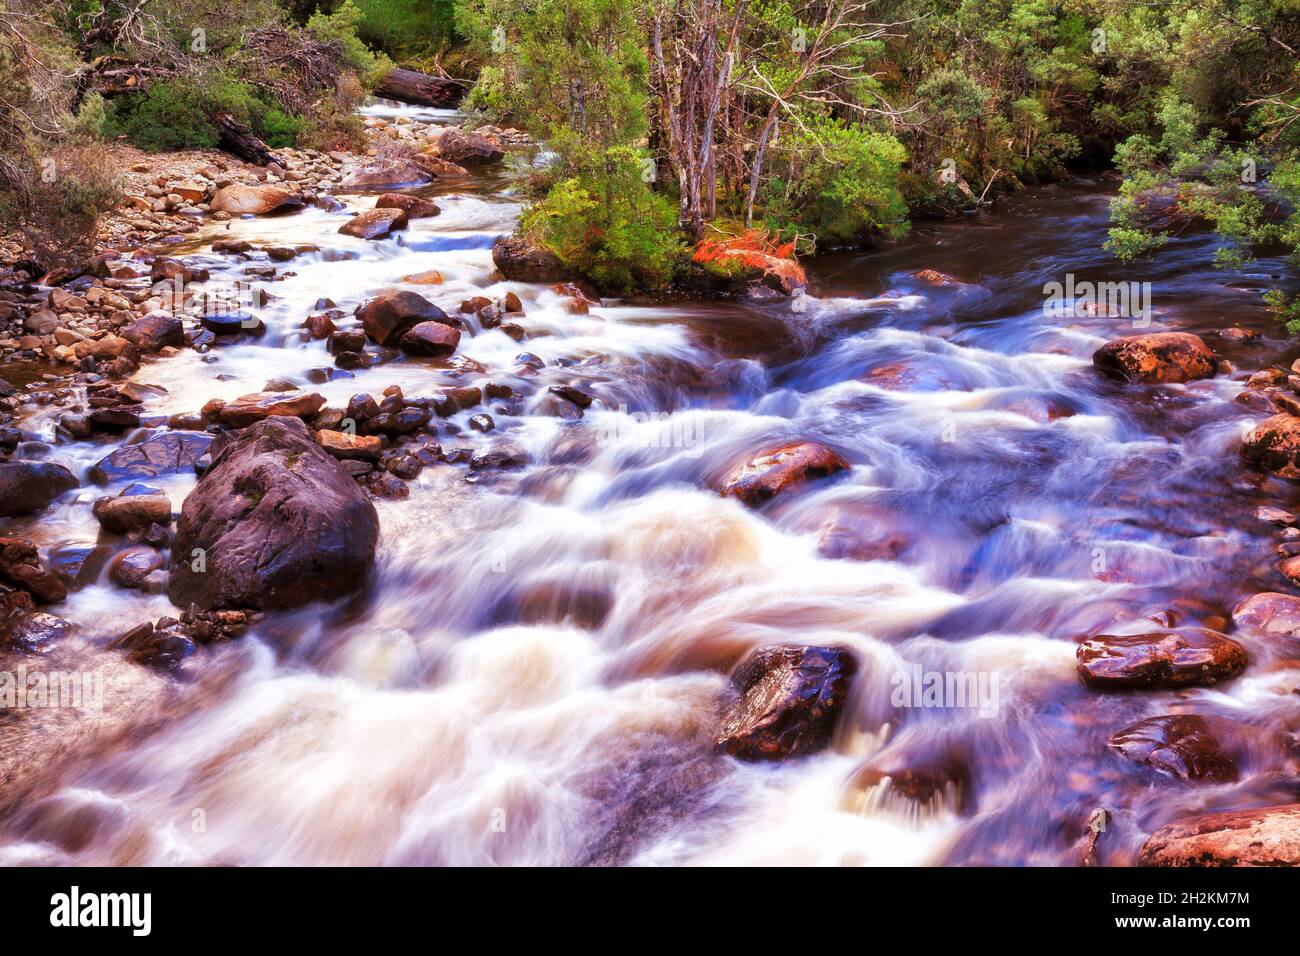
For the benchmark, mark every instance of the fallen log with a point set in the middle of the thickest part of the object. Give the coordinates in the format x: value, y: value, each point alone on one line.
x: 421, y: 89
x: 238, y: 140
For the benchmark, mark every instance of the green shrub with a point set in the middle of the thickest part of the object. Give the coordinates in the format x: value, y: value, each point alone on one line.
x: 608, y: 225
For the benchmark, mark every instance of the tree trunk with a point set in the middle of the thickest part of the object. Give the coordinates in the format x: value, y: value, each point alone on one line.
x: 238, y: 140
x: 421, y: 89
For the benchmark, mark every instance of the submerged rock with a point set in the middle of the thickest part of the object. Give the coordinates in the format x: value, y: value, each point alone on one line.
x: 27, y: 486
x: 1188, y: 746
x: 1269, y: 836
x: 777, y: 470
x: 275, y: 523
x: 1189, y: 656
x: 790, y: 698
x: 1157, y: 357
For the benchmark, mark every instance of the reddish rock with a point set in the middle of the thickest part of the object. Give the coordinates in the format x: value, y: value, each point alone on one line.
x: 1269, y: 836
x: 154, y: 332
x: 389, y: 315
x: 1189, y: 656
x: 430, y: 277
x: 1188, y: 746
x: 1157, y: 357
x: 430, y: 339
x: 413, y: 206
x: 374, y: 223
x: 790, y: 698
x: 1274, y: 445
x: 1272, y: 615
x: 779, y: 470
x: 344, y: 445
x: 248, y: 409
x: 319, y: 326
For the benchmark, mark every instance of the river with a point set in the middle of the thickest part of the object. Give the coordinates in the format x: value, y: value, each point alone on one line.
x: 536, y: 672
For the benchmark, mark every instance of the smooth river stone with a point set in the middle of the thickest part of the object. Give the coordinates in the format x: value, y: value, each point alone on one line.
x: 777, y: 470
x: 1185, y: 657
x: 1271, y: 615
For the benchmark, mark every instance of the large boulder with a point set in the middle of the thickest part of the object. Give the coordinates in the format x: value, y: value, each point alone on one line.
x: 790, y: 698
x: 274, y: 523
x: 27, y: 486
x: 776, y: 470
x: 390, y: 314
x: 521, y: 260
x: 1189, y: 656
x: 374, y: 223
x: 156, y: 455
x: 1157, y: 357
x: 1274, y: 445
x: 466, y: 149
x: 240, y: 200
x: 1269, y: 836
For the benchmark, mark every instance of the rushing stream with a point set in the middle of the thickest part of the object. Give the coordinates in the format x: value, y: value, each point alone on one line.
x: 536, y: 672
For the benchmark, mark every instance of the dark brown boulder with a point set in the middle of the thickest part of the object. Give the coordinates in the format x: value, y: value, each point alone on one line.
x: 776, y: 470
x: 790, y: 698
x: 156, y: 455
x: 274, y: 523
x: 413, y: 206
x: 430, y: 339
x: 1158, y: 357
x: 374, y: 223
x: 1189, y: 656
x: 521, y: 260
x: 389, y: 315
x: 129, y: 568
x: 154, y: 332
x: 1188, y: 746
x: 1269, y: 836
x: 1274, y: 445
x: 27, y: 486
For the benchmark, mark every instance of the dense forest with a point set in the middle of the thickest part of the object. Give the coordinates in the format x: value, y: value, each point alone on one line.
x: 666, y: 123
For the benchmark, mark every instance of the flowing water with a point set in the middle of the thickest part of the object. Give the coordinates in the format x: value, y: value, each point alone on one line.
x: 537, y: 669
